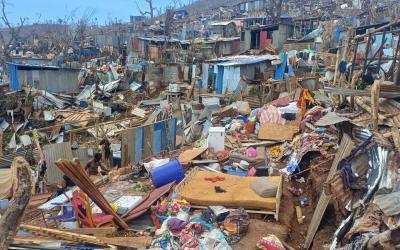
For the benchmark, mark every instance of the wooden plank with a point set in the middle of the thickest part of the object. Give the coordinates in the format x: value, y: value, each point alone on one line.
x: 277, y: 132
x: 278, y: 199
x: 94, y: 231
x: 344, y: 150
x: 58, y: 234
x: 139, y: 112
x: 190, y: 154
x: 364, y: 106
x: 299, y: 214
x: 171, y: 134
x: 396, y: 137
x: 148, y: 141
x: 375, y: 104
x: 128, y: 242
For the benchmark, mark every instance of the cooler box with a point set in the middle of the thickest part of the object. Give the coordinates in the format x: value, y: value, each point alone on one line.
x: 216, y: 138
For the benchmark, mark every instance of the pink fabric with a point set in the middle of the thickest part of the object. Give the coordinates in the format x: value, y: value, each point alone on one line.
x: 271, y: 115
x: 251, y: 152
x: 252, y: 171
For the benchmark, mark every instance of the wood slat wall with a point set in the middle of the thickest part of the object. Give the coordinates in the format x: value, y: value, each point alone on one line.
x: 143, y: 142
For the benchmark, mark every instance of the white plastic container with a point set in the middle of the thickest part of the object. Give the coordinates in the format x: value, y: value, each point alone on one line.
x: 216, y: 138
x: 173, y: 87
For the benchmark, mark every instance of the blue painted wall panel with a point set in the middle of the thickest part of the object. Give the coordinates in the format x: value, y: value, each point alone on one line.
x: 220, y: 78
x: 13, y: 76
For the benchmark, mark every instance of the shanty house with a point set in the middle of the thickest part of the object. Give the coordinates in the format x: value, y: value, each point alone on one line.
x: 260, y: 37
x: 228, y: 71
x: 224, y: 28
x: 50, y: 78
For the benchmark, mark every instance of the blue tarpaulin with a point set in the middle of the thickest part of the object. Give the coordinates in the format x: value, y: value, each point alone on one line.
x: 280, y: 71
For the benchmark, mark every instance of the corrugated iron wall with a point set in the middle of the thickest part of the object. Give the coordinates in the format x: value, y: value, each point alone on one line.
x: 53, y: 81
x: 82, y: 154
x: 55, y: 152
x: 142, y: 142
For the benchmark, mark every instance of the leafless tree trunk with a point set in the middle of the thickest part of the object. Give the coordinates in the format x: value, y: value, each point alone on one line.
x: 372, y: 11
x: 14, y: 32
x: 13, y: 216
x: 169, y: 18
x: 149, y: 12
x: 278, y: 10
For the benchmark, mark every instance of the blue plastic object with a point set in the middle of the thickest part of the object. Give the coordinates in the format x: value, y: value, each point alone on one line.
x: 167, y: 173
x: 83, y: 104
x: 67, y: 214
x: 230, y: 170
x: 4, y: 204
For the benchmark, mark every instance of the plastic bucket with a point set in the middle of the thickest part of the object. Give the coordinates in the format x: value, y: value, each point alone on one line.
x: 169, y: 172
x: 4, y: 204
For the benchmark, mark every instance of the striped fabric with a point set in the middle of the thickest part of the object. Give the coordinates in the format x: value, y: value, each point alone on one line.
x: 271, y: 114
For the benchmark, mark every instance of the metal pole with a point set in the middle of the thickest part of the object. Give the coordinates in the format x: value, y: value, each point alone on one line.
x: 380, y: 51
x: 395, y: 62
x: 366, y: 54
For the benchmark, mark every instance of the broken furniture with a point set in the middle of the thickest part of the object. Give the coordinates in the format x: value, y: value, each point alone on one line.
x: 76, y: 172
x: 84, y: 213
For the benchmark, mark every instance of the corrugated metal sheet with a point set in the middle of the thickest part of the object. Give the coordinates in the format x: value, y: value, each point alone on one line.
x: 61, y: 80
x: 244, y: 60
x: 330, y: 118
x: 29, y: 155
x: 83, y: 154
x: 55, y: 152
x: 376, y: 167
x: 171, y: 74
x: 388, y: 203
x: 231, y: 79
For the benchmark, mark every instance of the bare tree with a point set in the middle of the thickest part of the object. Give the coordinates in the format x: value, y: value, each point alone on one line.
x: 176, y: 4
x: 169, y: 18
x: 149, y: 12
x: 9, y: 34
x: 372, y: 11
x: 274, y: 9
x: 83, y: 23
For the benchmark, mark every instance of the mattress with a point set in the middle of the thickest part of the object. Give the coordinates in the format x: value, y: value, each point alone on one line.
x: 198, y: 191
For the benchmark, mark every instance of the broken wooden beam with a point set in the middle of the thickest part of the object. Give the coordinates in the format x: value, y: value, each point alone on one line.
x: 375, y: 104
x: 11, y: 219
x: 59, y: 234
x: 367, y: 108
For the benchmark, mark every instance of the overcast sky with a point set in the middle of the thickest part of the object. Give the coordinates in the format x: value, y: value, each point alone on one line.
x: 43, y: 10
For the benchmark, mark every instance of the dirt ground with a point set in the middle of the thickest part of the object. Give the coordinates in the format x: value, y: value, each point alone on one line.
x: 288, y: 229
x: 257, y: 229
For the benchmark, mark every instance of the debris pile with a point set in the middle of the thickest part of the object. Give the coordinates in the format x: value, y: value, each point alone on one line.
x: 257, y: 132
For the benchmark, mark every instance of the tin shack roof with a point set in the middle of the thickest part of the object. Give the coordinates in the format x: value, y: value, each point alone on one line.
x: 243, y: 60
x: 32, y: 67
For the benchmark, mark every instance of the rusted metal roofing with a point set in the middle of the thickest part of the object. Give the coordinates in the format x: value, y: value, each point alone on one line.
x: 376, y: 167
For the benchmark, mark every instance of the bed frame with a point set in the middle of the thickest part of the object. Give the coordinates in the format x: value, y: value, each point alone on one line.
x: 278, y: 196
